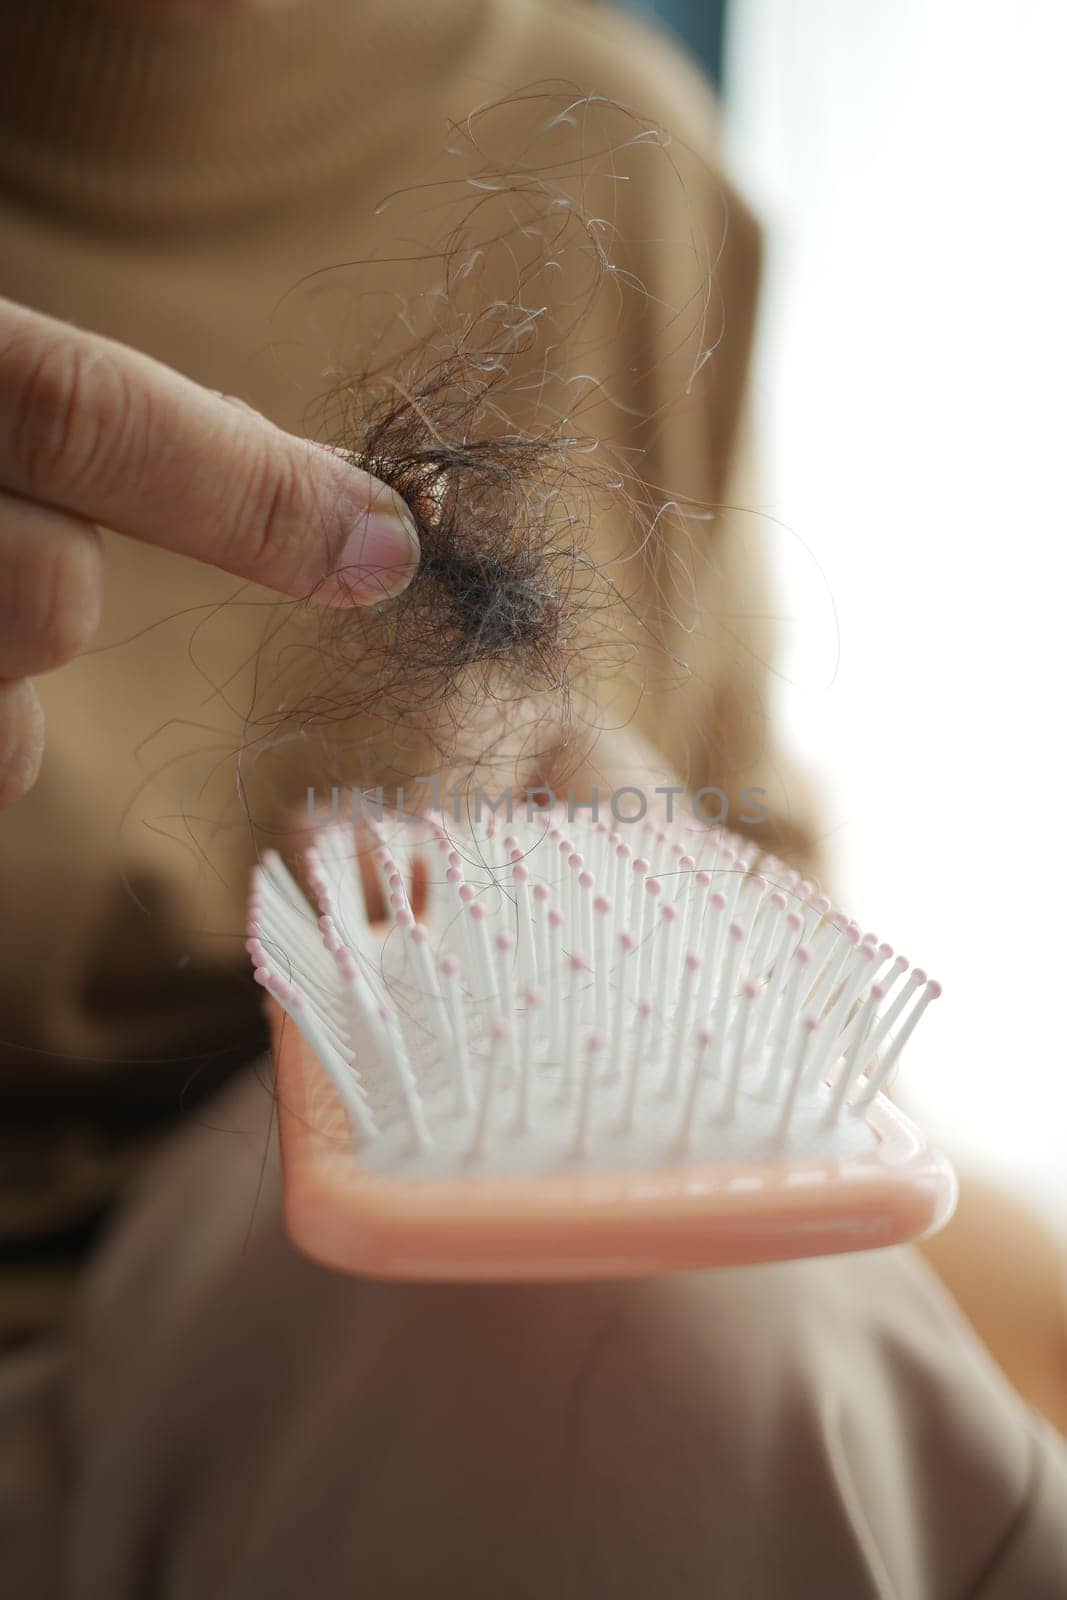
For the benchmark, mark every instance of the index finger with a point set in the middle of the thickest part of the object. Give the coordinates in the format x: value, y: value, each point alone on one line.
x: 92, y: 427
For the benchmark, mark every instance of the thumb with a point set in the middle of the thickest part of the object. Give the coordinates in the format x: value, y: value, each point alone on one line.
x: 97, y: 429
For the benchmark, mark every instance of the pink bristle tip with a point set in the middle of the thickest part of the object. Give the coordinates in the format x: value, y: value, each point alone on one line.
x: 627, y: 941
x: 933, y: 988
x: 449, y: 966
x: 521, y: 873
x: 737, y: 933
x: 687, y: 863
x: 718, y: 900
x: 667, y: 913
x: 703, y: 879
x: 418, y: 934
x: 576, y: 860
x: 404, y: 919
x: 576, y: 962
x: 555, y: 918
x: 466, y: 893
x: 644, y: 1008
x: 601, y: 905
x: 453, y: 875
x: 477, y: 912
x: 750, y: 990
x: 504, y: 942
x: 586, y: 879
x: 692, y: 961
x: 704, y: 1037
x: 878, y: 992
x: 810, y: 1024
x: 595, y: 1041
x: 623, y: 851
x: 533, y: 996
x: 540, y: 892
x: 802, y: 954
x: 501, y: 1029
x: 640, y: 865
x: 919, y: 975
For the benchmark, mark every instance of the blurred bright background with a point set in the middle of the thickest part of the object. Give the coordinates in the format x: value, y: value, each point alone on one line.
x: 906, y: 158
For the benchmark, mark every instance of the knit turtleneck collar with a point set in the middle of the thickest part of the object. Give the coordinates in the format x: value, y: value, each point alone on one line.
x: 130, y: 114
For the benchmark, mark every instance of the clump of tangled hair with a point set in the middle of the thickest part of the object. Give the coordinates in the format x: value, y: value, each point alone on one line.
x: 502, y: 611
x: 467, y: 389
x: 498, y: 590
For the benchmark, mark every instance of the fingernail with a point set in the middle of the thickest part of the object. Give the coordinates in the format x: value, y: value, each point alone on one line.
x: 21, y: 739
x: 379, y: 556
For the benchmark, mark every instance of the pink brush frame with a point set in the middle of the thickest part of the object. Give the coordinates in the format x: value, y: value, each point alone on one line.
x: 588, y: 1224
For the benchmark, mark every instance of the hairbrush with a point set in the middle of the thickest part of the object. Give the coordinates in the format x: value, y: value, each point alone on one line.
x: 575, y: 1049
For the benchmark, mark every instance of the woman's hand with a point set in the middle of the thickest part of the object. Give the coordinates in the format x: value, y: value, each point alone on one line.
x: 92, y: 432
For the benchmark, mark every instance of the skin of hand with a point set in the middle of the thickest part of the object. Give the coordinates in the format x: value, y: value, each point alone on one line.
x: 94, y: 433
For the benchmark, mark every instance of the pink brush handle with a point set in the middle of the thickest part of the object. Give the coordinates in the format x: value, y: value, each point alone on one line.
x: 589, y: 1224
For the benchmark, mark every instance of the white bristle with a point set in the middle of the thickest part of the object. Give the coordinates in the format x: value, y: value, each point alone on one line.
x: 638, y: 1047
x: 576, y: 995
x: 593, y: 1046
x: 461, y: 1048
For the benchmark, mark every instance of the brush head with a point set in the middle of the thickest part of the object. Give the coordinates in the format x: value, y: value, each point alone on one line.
x: 561, y: 1006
